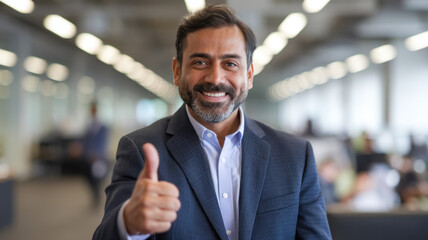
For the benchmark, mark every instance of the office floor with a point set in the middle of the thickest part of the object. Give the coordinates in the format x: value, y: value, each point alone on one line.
x: 53, y: 208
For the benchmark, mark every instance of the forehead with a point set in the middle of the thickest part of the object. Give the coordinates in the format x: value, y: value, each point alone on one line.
x: 224, y: 40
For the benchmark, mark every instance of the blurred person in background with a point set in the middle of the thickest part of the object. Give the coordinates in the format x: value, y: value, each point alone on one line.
x: 363, y: 144
x: 222, y: 175
x: 91, y: 151
x: 418, y: 149
x: 413, y: 190
x: 309, y: 130
x: 328, y: 174
x: 372, y: 192
x: 372, y: 189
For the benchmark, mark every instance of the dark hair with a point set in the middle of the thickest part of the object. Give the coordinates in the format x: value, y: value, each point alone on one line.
x: 214, y: 16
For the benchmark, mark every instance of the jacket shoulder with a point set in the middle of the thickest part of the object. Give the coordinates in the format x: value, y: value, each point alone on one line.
x: 271, y: 134
x: 154, y: 132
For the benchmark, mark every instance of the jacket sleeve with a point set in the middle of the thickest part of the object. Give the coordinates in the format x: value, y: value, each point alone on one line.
x: 128, y: 166
x: 312, y: 219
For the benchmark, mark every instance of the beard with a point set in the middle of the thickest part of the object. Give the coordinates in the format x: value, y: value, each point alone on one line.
x: 212, y: 112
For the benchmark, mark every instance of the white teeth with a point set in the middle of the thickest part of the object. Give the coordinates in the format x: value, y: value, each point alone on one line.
x: 214, y: 94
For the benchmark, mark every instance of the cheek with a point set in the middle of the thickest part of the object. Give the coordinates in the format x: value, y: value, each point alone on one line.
x: 185, y: 83
x: 243, y: 83
x: 191, y: 79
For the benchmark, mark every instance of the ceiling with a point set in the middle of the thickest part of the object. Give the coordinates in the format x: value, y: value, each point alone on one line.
x: 145, y: 29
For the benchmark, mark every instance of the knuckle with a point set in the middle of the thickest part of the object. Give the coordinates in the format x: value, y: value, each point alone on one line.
x: 145, y: 213
x: 177, y: 204
x: 147, y: 226
x: 174, y: 192
x: 173, y: 216
x: 169, y: 203
x: 165, y: 226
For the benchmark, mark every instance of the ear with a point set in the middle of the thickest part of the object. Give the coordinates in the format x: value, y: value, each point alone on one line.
x: 250, y: 75
x: 176, y: 70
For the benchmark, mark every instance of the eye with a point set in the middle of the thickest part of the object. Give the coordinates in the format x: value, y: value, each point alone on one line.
x: 231, y: 64
x: 199, y: 62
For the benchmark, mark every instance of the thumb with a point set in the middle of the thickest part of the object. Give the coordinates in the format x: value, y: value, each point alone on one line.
x: 151, y: 166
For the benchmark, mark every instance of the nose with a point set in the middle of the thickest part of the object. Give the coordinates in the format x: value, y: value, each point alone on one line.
x: 215, y: 75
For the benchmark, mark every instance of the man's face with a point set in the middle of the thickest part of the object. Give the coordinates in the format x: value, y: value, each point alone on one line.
x: 213, y: 78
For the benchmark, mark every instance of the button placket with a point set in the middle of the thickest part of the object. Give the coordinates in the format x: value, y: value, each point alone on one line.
x: 226, y: 190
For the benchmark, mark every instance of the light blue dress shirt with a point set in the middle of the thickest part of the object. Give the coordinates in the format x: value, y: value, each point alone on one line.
x: 225, y: 167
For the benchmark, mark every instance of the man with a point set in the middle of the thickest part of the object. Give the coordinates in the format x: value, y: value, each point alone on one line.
x: 222, y: 175
x: 91, y: 151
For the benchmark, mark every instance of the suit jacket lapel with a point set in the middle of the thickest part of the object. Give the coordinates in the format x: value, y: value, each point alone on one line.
x: 255, y: 156
x: 187, y: 151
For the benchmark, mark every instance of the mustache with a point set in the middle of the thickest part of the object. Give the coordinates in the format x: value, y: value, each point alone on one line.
x: 209, y: 87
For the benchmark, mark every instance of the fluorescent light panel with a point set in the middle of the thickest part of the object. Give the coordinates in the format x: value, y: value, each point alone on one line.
x: 60, y: 26
x: 88, y: 43
x: 284, y: 89
x: 194, y: 5
x: 7, y: 58
x: 320, y: 74
x: 125, y: 64
x: 417, y: 42
x: 357, y: 63
x: 262, y: 55
x: 383, y: 54
x: 275, y: 41
x: 137, y: 72
x: 294, y: 85
x: 57, y: 72
x: 22, y: 6
x: 293, y: 24
x: 336, y: 70
x: 313, y: 6
x: 108, y: 54
x: 257, y: 68
x: 304, y: 82
x: 35, y: 65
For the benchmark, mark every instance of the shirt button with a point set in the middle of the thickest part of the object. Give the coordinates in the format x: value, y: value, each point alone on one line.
x: 228, y: 232
x: 225, y: 195
x: 223, y: 160
x: 209, y: 134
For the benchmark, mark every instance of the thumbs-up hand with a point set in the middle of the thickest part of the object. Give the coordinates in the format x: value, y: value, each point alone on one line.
x: 153, y: 205
x: 150, y: 170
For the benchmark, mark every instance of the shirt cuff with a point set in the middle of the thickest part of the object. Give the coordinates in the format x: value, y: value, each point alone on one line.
x: 122, y: 229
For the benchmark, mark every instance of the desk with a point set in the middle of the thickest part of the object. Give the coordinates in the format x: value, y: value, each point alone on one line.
x: 6, y: 201
x: 394, y: 225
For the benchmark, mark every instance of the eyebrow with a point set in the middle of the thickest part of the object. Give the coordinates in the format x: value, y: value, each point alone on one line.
x: 204, y: 55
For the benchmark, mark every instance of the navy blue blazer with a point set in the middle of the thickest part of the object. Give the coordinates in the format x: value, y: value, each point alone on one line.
x: 280, y: 197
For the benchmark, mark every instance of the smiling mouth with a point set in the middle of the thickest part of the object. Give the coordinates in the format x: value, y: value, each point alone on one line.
x: 214, y: 94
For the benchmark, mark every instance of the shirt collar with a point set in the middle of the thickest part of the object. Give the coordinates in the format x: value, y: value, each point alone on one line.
x: 200, y: 129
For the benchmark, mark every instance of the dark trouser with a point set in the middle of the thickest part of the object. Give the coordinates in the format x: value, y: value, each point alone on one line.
x: 94, y: 183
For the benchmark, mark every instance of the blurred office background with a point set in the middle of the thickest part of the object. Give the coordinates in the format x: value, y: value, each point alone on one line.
x: 350, y: 76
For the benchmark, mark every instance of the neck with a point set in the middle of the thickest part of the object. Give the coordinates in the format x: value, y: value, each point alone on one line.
x: 223, y: 128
